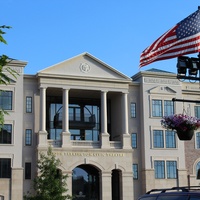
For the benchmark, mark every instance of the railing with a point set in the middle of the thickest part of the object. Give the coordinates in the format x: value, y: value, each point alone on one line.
x: 85, y: 144
x: 115, y: 145
x: 55, y: 143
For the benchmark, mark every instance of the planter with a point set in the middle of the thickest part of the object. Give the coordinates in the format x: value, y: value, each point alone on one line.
x: 185, y: 135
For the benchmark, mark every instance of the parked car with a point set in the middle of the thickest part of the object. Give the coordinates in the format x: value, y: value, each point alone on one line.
x: 174, y: 193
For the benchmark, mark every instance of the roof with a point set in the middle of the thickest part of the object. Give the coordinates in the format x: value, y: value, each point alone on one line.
x: 159, y: 71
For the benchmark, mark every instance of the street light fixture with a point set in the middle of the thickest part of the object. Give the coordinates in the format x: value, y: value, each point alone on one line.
x: 182, y: 65
x: 195, y: 66
x: 188, y: 68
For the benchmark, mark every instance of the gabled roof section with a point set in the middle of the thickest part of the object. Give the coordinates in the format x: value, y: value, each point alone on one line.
x: 158, y: 71
x: 84, y: 66
x: 162, y: 90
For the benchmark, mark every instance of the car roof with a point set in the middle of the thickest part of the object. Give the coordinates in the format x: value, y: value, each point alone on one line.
x: 174, y: 191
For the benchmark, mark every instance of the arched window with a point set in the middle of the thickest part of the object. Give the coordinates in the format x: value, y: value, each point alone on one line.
x: 198, y: 170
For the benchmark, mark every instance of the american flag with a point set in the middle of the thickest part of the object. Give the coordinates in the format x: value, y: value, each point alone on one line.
x: 183, y: 38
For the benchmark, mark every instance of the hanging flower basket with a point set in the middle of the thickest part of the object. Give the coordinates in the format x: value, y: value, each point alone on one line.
x: 184, y: 125
x: 185, y: 135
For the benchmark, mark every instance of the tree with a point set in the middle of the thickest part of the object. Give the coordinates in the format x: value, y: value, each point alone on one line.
x: 5, y: 71
x: 50, y: 184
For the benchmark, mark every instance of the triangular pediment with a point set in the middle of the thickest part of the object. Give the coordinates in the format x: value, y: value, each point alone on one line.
x: 84, y: 66
x: 162, y: 90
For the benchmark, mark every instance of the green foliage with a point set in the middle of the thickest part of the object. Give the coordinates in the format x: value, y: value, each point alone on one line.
x: 2, y: 113
x: 50, y: 184
x: 2, y: 33
x: 5, y: 71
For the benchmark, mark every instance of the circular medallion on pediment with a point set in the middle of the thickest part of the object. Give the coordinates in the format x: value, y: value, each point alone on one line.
x: 85, y: 67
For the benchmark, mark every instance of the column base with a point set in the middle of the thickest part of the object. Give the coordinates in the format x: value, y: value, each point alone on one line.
x: 42, y: 139
x: 126, y: 141
x: 105, y: 142
x: 66, y: 139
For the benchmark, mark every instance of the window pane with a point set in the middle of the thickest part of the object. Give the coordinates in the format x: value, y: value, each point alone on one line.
x: 170, y: 138
x: 158, y: 140
x: 156, y: 108
x: 135, y: 171
x: 134, y: 140
x: 133, y: 110
x: 171, y: 169
x: 5, y: 168
x: 28, y: 137
x: 159, y: 169
x: 6, y: 100
x: 27, y: 170
x: 6, y: 134
x: 168, y: 107
x: 29, y: 104
x: 198, y: 140
x: 197, y: 111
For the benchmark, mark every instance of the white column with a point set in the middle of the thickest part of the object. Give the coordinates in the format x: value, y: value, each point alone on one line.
x: 42, y: 109
x: 126, y: 140
x: 104, y: 112
x: 17, y: 184
x: 127, y: 185
x: 104, y: 133
x: 125, y: 112
x: 42, y: 135
x: 65, y: 119
x: 106, y: 186
x: 69, y: 182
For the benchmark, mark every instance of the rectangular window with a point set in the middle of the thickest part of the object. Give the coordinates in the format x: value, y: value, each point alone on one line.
x: 27, y: 170
x: 198, y: 140
x: 134, y: 140
x: 170, y: 139
x: 164, y: 139
x: 157, y: 108
x: 5, y: 168
x: 168, y: 107
x: 133, y: 110
x: 6, y: 134
x: 29, y: 104
x: 162, y: 108
x: 159, y: 167
x: 197, y: 111
x: 6, y: 100
x: 171, y: 169
x: 158, y: 139
x: 28, y: 137
x: 135, y: 171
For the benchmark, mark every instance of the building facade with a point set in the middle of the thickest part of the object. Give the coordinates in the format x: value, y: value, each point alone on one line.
x: 102, y: 125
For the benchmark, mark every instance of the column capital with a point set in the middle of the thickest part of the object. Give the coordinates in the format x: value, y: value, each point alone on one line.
x: 43, y: 86
x: 104, y: 91
x: 66, y: 88
x: 125, y: 92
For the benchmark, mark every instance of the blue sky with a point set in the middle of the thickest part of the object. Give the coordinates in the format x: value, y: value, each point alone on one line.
x: 46, y: 32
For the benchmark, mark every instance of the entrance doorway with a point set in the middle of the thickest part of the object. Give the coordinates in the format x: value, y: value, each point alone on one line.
x: 116, y: 184
x: 85, y: 183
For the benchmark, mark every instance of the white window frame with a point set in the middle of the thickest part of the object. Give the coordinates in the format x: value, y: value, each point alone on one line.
x: 162, y: 99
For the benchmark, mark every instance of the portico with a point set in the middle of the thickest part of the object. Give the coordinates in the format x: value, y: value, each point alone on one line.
x: 85, y: 120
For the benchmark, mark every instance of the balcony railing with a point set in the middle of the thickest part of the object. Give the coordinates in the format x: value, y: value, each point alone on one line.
x: 85, y: 144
